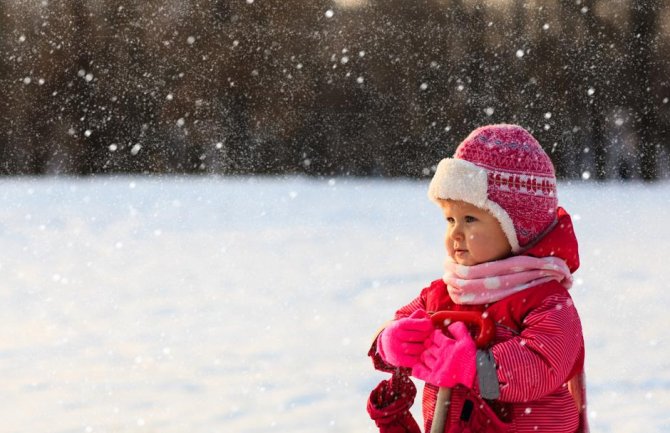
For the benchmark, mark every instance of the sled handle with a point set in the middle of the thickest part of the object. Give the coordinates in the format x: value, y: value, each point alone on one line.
x: 487, y: 329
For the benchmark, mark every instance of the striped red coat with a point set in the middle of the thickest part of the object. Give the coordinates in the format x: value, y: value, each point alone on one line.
x: 538, y: 350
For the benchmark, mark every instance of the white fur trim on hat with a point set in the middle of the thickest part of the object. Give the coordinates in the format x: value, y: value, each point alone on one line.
x: 458, y: 179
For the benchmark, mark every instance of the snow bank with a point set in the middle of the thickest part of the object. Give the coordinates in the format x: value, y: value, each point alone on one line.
x: 247, y: 305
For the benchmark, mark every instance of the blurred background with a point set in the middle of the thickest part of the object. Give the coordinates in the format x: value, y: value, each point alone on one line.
x: 329, y: 87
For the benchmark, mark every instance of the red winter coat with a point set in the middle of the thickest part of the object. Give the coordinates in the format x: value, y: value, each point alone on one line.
x: 538, y: 351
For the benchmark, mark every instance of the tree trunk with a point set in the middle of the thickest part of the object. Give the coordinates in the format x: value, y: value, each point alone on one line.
x: 643, y: 46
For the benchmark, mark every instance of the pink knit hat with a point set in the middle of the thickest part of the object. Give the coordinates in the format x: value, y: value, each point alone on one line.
x: 504, y: 170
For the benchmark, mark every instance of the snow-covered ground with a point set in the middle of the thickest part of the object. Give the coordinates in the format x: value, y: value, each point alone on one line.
x: 247, y: 305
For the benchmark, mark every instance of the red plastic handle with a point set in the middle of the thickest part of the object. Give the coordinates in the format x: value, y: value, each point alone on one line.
x: 487, y: 329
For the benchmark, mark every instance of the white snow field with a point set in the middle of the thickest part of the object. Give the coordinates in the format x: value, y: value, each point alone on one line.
x: 240, y: 305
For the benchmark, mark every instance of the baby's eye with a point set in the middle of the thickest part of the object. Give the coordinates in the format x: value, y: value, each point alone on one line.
x: 450, y: 220
x: 470, y: 219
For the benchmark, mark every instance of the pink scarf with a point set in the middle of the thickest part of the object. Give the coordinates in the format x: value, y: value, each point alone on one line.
x: 492, y: 281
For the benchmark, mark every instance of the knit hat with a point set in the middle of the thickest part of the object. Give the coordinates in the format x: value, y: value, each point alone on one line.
x: 504, y: 170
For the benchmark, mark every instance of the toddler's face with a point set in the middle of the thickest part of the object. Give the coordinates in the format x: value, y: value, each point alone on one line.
x: 473, y: 235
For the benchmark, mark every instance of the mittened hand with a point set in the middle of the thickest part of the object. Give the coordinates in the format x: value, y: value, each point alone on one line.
x: 403, y: 341
x: 448, y: 361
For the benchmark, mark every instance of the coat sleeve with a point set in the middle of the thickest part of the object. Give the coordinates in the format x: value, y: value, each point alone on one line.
x: 540, y: 359
x: 417, y: 303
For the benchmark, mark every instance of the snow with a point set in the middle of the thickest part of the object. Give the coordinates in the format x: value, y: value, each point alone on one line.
x: 134, y: 304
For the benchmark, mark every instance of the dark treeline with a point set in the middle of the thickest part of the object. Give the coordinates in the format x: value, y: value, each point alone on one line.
x: 326, y: 87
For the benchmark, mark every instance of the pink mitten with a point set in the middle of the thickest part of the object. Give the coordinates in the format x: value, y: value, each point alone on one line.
x: 448, y: 361
x: 403, y: 341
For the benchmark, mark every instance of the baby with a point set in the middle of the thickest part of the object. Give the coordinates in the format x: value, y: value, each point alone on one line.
x: 511, y: 252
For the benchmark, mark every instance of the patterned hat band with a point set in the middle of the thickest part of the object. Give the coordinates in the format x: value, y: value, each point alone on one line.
x: 522, y: 183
